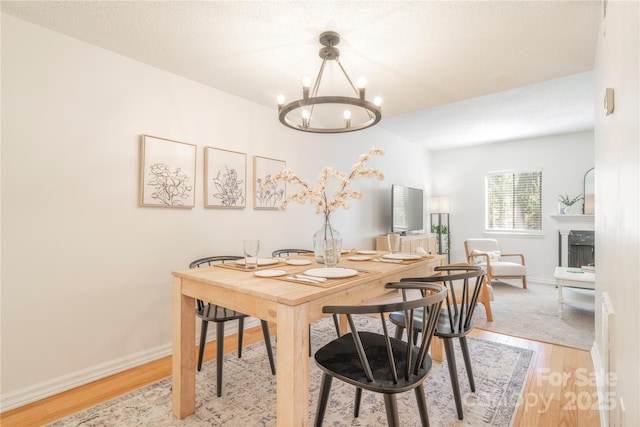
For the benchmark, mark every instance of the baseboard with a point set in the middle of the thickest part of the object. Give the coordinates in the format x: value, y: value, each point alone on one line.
x: 530, y: 280
x: 541, y: 281
x: 601, y: 386
x: 63, y: 383
x: 42, y: 390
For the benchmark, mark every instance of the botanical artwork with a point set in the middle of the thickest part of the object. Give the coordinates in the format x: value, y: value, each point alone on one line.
x: 167, y: 173
x: 224, y: 178
x: 268, y: 194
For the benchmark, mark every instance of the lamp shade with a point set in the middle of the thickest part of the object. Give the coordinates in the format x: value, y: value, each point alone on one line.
x: 439, y: 204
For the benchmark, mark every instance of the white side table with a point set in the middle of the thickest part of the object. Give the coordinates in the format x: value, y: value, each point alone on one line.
x: 575, y: 278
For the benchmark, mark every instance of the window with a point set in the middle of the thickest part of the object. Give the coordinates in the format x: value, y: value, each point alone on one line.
x: 513, y: 201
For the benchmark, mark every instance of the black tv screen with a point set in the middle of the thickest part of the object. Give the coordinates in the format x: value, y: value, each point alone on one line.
x: 407, y: 213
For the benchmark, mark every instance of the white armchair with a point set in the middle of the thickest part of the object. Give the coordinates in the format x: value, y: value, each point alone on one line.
x: 486, y: 252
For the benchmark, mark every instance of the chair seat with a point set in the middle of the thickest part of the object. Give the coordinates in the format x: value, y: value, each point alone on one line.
x: 340, y: 359
x: 503, y: 268
x: 443, y: 328
x: 216, y: 313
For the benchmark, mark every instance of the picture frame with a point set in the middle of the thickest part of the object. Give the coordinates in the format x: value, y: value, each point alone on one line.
x: 167, y: 173
x: 225, y: 178
x: 270, y: 197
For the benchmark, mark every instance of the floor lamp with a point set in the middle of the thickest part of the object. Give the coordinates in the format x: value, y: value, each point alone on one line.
x: 440, y: 223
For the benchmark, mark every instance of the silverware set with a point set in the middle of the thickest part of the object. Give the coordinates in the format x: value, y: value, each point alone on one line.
x: 308, y: 278
x: 395, y: 261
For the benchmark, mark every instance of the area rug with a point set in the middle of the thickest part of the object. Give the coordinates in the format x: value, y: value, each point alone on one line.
x: 248, y: 393
x: 532, y: 313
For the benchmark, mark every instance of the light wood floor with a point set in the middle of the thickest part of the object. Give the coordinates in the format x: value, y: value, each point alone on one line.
x: 560, y: 388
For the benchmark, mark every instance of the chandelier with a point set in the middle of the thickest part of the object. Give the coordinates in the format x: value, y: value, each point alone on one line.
x: 357, y: 113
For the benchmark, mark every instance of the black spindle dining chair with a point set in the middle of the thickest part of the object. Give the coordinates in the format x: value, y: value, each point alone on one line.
x: 464, y: 284
x: 219, y: 315
x: 378, y: 362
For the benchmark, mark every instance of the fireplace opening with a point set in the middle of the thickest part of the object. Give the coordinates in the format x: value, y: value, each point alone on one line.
x: 581, y: 248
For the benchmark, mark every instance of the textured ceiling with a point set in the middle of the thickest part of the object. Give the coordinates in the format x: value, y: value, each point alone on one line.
x: 450, y: 73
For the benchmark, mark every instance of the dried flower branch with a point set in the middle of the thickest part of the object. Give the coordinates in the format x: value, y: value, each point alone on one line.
x: 317, y: 195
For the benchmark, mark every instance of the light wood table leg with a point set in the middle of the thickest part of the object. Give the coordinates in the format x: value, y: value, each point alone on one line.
x: 292, y: 370
x: 184, y: 363
x: 437, y: 349
x: 343, y: 323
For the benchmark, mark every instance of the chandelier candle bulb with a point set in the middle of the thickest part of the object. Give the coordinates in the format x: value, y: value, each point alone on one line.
x: 377, y: 101
x: 306, y: 84
x: 280, y: 100
x: 362, y: 83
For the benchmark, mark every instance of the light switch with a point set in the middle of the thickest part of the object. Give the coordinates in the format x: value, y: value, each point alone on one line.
x: 608, y: 101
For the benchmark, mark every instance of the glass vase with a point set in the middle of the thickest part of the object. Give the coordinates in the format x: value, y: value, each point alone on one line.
x: 327, y: 245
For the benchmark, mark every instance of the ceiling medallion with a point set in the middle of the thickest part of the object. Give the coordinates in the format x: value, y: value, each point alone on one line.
x: 357, y: 113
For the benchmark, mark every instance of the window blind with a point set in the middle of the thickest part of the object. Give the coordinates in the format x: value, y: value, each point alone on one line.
x: 513, y: 201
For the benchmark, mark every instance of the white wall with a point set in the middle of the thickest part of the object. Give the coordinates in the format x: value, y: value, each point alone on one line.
x: 85, y: 281
x: 85, y: 271
x: 617, y: 149
x: 459, y: 174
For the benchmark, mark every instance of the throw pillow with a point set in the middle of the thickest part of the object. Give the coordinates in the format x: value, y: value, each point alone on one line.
x: 493, y: 256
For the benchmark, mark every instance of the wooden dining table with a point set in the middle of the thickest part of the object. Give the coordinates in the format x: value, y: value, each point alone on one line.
x: 291, y: 305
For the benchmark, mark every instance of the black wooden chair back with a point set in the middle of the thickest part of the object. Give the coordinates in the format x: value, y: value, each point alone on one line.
x: 208, y: 262
x: 288, y: 252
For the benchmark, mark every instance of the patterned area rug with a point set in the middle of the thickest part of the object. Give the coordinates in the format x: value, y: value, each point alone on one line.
x: 532, y: 313
x: 248, y: 394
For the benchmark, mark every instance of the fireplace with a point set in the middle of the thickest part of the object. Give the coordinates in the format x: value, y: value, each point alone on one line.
x: 580, y: 248
x: 576, y: 240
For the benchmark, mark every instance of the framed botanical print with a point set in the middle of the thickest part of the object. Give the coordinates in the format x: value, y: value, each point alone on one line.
x: 225, y: 178
x: 167, y: 173
x: 266, y: 193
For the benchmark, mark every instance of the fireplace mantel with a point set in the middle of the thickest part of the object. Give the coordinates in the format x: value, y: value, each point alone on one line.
x: 573, y: 218
x: 569, y: 222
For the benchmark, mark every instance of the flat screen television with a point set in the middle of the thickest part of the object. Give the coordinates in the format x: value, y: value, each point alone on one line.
x: 407, y: 214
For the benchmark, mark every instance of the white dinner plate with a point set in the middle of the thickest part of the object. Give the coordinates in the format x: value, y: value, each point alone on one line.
x: 359, y: 258
x: 270, y: 273
x: 298, y: 262
x: 261, y: 261
x: 401, y: 256
x: 331, y: 272
x: 366, y: 252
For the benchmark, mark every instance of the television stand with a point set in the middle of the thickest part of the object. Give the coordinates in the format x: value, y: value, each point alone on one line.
x: 409, y: 243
